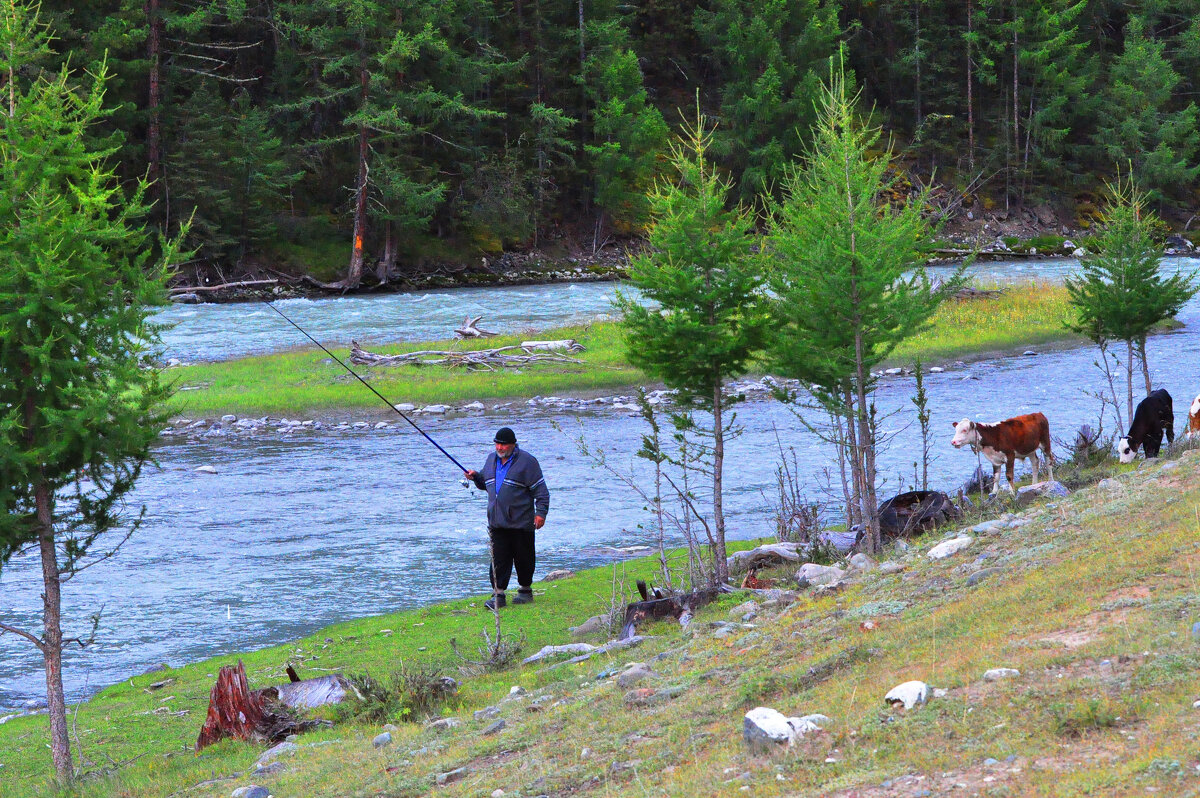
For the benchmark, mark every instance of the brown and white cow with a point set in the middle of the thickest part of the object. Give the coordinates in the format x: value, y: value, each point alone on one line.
x: 1002, y: 443
x: 1194, y: 418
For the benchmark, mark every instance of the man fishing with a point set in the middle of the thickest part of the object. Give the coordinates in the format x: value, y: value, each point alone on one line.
x: 518, y: 501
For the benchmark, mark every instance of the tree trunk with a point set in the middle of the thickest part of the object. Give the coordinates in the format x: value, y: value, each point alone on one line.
x: 154, y: 100
x: 1145, y: 363
x: 60, y: 743
x: 852, y: 453
x: 720, y: 567
x: 1129, y: 379
x: 917, y: 54
x: 866, y: 445
x: 388, y: 263
x: 1016, y: 111
x: 354, y: 273
x: 970, y: 87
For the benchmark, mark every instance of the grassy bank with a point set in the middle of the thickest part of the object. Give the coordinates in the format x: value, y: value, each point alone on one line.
x: 306, y: 381
x: 1102, y: 705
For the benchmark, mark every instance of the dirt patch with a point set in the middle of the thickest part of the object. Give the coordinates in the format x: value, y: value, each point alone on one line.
x: 1088, y: 628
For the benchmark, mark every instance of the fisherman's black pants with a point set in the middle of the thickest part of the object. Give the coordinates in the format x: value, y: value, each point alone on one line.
x: 512, y: 547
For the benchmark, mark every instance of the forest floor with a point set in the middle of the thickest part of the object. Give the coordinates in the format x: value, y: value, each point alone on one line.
x: 1089, y: 600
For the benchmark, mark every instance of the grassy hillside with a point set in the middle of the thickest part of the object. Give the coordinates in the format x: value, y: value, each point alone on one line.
x: 306, y: 380
x: 1092, y: 599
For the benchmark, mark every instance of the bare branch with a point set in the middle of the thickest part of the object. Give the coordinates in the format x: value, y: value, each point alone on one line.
x: 22, y: 633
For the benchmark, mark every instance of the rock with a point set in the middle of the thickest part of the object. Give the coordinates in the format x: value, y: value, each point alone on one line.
x: 764, y: 728
x: 818, y: 720
x: 444, y: 724
x: 497, y: 793
x: 273, y: 753
x: 891, y: 567
x: 1029, y: 493
x: 33, y: 704
x: 405, y: 407
x: 936, y: 370
x: 821, y: 591
x: 1108, y: 483
x: 434, y: 410
x: 981, y: 575
x: 451, y: 776
x: 991, y: 761
x: 861, y: 562
x: 252, y: 791
x: 268, y: 770
x: 948, y: 548
x: 1196, y: 631
x: 382, y: 740
x: 473, y: 407
x: 228, y: 418
x: 989, y: 527
x: 559, y: 573
x: 487, y: 713
x: 996, y: 674
x: 744, y: 608
x: 552, y: 651
x: 494, y: 728
x: 637, y: 673
x: 909, y: 694
x: 814, y: 574
x: 516, y: 689
x: 206, y: 469
x: 591, y: 626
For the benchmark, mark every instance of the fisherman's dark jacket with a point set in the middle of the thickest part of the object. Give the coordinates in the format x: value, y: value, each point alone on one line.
x: 522, y: 496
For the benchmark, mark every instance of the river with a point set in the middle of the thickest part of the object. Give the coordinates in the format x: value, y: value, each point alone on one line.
x: 294, y: 533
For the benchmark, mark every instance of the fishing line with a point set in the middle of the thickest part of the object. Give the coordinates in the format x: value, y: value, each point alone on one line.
x: 364, y: 382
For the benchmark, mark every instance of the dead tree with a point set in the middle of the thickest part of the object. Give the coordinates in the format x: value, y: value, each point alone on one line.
x: 234, y: 710
x: 470, y: 330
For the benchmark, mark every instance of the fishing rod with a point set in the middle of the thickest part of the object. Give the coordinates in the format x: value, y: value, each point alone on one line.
x: 461, y: 467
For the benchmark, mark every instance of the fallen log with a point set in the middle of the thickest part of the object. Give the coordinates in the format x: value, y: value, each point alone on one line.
x: 264, y: 716
x: 195, y: 289
x: 470, y: 330
x: 489, y: 359
x: 569, y: 344
x: 968, y: 292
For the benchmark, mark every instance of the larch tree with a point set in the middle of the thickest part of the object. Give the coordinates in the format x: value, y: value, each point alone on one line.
x: 1119, y: 294
x: 847, y: 281
x: 80, y: 403
x: 701, y: 275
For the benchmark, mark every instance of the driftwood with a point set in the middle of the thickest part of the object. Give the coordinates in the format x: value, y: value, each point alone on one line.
x: 195, y: 289
x: 264, y: 716
x: 569, y: 344
x: 682, y: 607
x: 489, y: 359
x: 470, y: 330
x: 967, y: 292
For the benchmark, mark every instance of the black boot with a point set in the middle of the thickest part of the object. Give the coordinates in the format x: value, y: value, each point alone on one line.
x: 524, y: 596
x: 496, y: 601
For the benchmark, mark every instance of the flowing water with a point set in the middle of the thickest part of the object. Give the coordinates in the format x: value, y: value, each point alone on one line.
x: 295, y: 533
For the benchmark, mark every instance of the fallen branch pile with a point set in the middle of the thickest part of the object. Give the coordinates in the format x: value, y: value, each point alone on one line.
x: 489, y: 359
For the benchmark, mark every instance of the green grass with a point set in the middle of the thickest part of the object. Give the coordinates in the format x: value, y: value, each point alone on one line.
x: 1102, y: 706
x: 305, y: 380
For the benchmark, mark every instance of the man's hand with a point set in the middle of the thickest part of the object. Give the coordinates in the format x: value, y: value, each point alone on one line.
x: 469, y: 475
x: 539, y: 521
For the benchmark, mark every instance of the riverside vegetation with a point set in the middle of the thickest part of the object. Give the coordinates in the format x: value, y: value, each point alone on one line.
x: 306, y: 380
x: 1099, y: 701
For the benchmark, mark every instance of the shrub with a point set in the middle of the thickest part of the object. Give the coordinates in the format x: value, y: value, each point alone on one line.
x: 407, y: 694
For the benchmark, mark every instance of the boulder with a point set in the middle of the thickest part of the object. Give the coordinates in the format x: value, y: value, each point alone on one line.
x: 996, y: 674
x: 813, y: 574
x: 1029, y: 493
x: 909, y: 694
x: 948, y: 548
x: 451, y: 776
x: 444, y: 724
x: 251, y: 791
x: 767, y: 554
x: 558, y: 573
x: 382, y: 740
x: 593, y: 625
x: 861, y: 562
x: 764, y: 728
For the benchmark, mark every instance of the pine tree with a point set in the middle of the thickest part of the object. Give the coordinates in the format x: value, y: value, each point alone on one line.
x: 80, y: 403
x: 847, y: 281
x: 1119, y: 293
x: 707, y: 322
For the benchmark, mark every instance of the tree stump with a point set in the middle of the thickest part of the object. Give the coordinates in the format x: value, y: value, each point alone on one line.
x: 234, y: 710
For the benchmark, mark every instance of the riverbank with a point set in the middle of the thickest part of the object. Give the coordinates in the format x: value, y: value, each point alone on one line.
x: 308, y: 382
x: 1088, y: 690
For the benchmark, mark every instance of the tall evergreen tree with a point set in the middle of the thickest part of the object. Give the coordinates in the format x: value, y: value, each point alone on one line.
x: 80, y: 403
x: 847, y: 281
x: 1145, y: 122
x: 700, y: 274
x: 771, y: 56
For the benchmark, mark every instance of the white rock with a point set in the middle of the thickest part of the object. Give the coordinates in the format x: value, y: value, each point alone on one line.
x: 936, y: 370
x: 273, y: 753
x: 434, y: 410
x: 820, y: 574
x: 891, y: 567
x: 764, y: 727
x: 818, y: 720
x: 206, y: 470
x: 558, y: 573
x: 228, y: 418
x: 910, y: 694
x: 405, y: 407
x: 949, y: 547
x: 474, y: 407
x: 996, y: 674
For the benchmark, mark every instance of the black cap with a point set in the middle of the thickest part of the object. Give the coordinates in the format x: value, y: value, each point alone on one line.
x: 505, y: 435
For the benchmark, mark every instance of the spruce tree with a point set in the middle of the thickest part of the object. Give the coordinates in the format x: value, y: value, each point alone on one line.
x: 80, y: 403
x: 707, y: 322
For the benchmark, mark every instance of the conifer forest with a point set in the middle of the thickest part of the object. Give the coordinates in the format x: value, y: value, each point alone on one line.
x: 372, y: 135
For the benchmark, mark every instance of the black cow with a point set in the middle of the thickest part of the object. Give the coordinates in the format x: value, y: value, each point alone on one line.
x: 1153, y: 417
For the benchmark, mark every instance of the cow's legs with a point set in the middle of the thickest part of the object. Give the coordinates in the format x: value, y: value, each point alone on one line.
x: 1008, y: 472
x: 995, y: 479
x: 1033, y: 461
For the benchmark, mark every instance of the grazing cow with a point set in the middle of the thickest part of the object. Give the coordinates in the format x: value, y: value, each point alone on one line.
x: 1154, y: 416
x: 1002, y: 443
x: 1194, y: 418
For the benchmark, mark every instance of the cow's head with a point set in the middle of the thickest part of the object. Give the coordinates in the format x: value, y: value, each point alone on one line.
x: 965, y: 434
x: 1195, y: 408
x: 1125, y: 451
